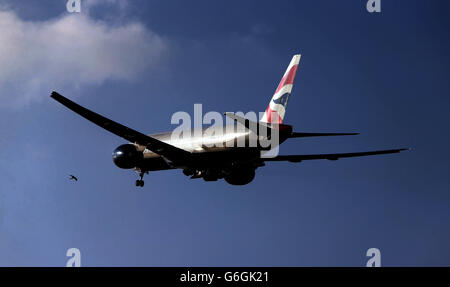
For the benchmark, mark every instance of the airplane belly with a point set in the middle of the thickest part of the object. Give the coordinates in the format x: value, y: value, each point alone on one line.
x: 154, y: 163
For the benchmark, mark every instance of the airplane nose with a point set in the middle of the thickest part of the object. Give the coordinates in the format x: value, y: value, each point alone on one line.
x: 127, y: 156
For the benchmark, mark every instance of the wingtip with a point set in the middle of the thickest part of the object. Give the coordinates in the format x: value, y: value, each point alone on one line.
x: 55, y: 94
x: 404, y: 149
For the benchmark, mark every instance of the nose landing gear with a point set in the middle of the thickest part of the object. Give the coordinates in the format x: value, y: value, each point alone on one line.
x: 140, y: 182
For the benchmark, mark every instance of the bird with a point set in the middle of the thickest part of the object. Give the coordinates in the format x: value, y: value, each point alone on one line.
x: 72, y: 177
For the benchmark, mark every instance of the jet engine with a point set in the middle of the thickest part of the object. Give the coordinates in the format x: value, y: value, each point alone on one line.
x: 240, y: 176
x: 127, y: 156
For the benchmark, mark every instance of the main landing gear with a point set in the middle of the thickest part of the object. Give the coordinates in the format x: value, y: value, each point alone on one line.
x: 140, y: 182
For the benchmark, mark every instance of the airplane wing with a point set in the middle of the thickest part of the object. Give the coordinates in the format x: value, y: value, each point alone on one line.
x: 330, y: 156
x: 168, y: 151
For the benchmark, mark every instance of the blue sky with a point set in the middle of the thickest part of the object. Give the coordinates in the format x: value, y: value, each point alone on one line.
x: 383, y: 75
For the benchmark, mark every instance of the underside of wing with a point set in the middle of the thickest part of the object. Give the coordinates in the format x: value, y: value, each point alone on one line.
x: 331, y: 156
x: 168, y: 151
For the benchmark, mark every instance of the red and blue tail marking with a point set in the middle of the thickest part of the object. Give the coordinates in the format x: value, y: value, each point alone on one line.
x: 277, y: 107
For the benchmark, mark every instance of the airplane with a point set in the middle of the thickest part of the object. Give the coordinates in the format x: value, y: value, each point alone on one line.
x: 236, y: 164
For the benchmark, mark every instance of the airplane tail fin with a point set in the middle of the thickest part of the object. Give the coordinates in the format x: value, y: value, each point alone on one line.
x: 277, y: 107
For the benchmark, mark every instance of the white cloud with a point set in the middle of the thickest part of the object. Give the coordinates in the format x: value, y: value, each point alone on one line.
x: 68, y: 53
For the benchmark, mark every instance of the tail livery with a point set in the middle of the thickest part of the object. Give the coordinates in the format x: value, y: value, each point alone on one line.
x: 277, y: 107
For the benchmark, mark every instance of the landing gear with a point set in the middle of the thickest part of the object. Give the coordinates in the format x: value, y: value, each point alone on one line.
x: 140, y: 182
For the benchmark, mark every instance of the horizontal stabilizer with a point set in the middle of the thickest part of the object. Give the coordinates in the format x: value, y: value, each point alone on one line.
x: 249, y: 124
x: 304, y: 135
x: 330, y: 156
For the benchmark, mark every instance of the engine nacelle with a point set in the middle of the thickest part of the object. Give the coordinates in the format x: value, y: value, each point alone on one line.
x: 127, y: 156
x: 241, y: 176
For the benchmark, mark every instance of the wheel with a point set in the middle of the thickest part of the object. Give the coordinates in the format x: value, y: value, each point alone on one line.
x: 142, y: 183
x: 138, y: 182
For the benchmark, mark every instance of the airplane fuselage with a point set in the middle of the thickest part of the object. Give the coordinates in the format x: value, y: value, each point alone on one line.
x: 222, y: 147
